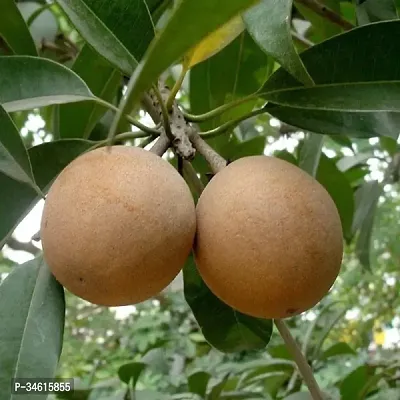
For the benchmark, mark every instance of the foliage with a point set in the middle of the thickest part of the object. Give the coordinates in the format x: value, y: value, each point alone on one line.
x: 312, y: 82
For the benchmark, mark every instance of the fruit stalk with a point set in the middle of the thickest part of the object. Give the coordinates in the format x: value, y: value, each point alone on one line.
x: 301, y: 362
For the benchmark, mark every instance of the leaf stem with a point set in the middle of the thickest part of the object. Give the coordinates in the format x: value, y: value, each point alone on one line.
x: 131, y: 120
x: 302, y: 364
x: 231, y: 124
x: 219, y: 110
x: 177, y: 86
x: 327, y: 13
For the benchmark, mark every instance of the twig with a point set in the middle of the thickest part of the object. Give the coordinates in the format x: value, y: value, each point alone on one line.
x: 21, y: 246
x: 327, y: 13
x: 162, y: 145
x: 217, y: 163
x: 179, y: 127
x: 302, y: 364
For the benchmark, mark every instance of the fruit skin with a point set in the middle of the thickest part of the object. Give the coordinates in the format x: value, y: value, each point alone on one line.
x: 269, y: 238
x: 117, y: 225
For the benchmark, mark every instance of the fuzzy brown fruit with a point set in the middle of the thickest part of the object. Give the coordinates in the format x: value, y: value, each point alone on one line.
x: 269, y: 238
x: 117, y: 225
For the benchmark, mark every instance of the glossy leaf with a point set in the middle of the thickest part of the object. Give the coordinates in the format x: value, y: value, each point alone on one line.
x: 14, y: 31
x: 339, y: 189
x: 198, y: 382
x: 333, y: 70
x: 32, y: 312
x: 375, y: 10
x: 353, y: 384
x: 130, y: 373
x: 358, y: 125
x: 195, y: 20
x: 269, y: 23
x: 78, y: 120
x: 367, y: 197
x: 120, y: 30
x: 223, y: 327
x: 29, y: 82
x: 47, y: 161
x: 310, y: 153
x: 240, y: 69
x: 214, y: 42
x: 14, y: 160
x: 368, y: 97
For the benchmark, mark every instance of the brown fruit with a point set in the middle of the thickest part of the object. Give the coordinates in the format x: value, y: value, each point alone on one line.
x: 117, y: 225
x: 269, y: 238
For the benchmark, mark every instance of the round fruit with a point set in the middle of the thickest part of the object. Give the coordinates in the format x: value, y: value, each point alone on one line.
x: 269, y: 238
x: 118, y: 225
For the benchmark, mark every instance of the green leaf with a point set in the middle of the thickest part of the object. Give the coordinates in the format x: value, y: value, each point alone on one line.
x: 369, y: 97
x: 367, y: 197
x: 375, y: 10
x: 198, y: 382
x: 269, y: 23
x: 32, y: 312
x: 223, y: 327
x: 30, y: 82
x: 333, y: 318
x: 346, y: 163
x: 78, y: 120
x: 310, y: 153
x: 131, y: 372
x: 190, y: 22
x: 14, y: 160
x: 359, y: 125
x: 47, y: 161
x: 333, y: 71
x: 218, y: 388
x: 240, y: 69
x: 337, y: 349
x: 388, y: 144
x: 14, y: 31
x: 339, y: 189
x: 120, y: 30
x: 353, y: 384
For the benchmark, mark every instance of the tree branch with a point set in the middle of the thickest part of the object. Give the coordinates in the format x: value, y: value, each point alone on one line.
x: 327, y: 13
x: 217, y: 163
